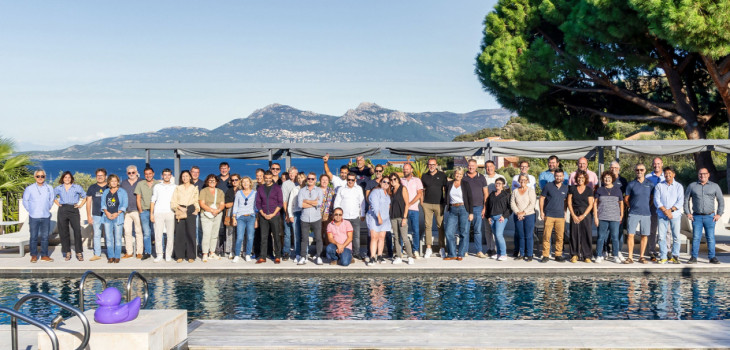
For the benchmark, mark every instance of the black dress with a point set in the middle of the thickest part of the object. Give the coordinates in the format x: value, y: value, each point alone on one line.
x: 581, y: 233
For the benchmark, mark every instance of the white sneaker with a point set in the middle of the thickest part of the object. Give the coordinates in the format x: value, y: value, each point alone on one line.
x: 428, y: 253
x: 416, y: 255
x: 621, y: 257
x: 235, y: 259
x: 502, y: 258
x: 599, y: 260
x: 247, y: 258
x: 296, y: 260
x: 493, y: 256
x: 214, y: 256
x: 397, y: 261
x: 302, y: 261
x: 157, y: 259
x: 618, y: 259
x: 411, y: 261
x: 168, y: 259
x: 319, y: 261
x: 442, y: 253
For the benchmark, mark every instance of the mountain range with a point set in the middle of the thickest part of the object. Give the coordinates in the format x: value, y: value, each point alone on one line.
x: 277, y: 123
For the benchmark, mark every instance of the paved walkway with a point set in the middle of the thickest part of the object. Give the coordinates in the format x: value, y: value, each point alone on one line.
x: 215, y: 334
x: 471, y: 264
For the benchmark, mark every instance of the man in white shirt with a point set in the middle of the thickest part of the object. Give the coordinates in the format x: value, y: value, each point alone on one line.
x: 337, y: 182
x: 524, y: 167
x: 286, y: 189
x: 162, y: 215
x: 352, y: 201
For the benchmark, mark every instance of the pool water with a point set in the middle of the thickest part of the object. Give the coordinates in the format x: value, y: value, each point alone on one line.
x: 457, y: 297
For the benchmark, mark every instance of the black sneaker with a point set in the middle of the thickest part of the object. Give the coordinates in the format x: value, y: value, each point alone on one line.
x: 491, y: 252
x: 714, y: 261
x: 692, y: 260
x: 145, y: 256
x: 560, y: 259
x: 285, y: 257
x: 545, y: 259
x: 528, y: 258
x: 516, y: 254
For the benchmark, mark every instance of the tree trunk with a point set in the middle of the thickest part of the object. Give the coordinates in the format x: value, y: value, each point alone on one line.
x: 719, y: 77
x: 702, y: 159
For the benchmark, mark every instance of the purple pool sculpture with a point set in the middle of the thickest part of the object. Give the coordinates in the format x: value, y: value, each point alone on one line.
x: 111, y: 311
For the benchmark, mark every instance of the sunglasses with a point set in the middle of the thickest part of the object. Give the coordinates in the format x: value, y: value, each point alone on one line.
x: 234, y: 180
x: 348, y: 180
x: 640, y: 170
x: 131, y: 172
x: 337, y: 214
x: 277, y: 169
x: 378, y: 171
x: 385, y: 182
x: 40, y: 176
x: 311, y: 179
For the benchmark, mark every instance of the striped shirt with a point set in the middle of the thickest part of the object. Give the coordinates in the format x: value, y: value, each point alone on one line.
x: 72, y: 196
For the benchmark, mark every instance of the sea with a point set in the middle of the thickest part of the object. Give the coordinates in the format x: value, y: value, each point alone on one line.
x: 244, y: 167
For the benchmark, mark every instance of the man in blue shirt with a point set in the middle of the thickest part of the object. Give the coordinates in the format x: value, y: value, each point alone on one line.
x: 669, y: 201
x: 38, y: 200
x: 548, y: 175
x: 552, y: 207
x: 637, y: 199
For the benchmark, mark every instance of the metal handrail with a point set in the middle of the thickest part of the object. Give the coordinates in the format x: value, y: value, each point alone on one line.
x: 146, y: 287
x: 14, y: 327
x: 82, y: 317
x: 82, y: 286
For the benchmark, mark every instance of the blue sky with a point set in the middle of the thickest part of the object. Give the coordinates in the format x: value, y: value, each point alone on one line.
x: 77, y: 71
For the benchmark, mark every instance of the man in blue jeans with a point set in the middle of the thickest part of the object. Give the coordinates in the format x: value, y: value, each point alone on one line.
x: 339, y: 234
x: 94, y: 213
x: 479, y: 192
x: 703, y: 194
x: 669, y: 200
x: 143, y: 190
x: 38, y: 200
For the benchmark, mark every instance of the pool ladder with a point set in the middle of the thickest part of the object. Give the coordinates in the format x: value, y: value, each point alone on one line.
x: 130, y: 279
x: 15, y: 314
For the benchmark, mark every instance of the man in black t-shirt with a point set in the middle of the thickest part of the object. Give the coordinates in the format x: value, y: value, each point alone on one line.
x: 434, y: 186
x: 552, y: 209
x: 93, y: 209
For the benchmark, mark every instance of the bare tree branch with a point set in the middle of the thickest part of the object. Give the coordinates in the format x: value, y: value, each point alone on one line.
x: 641, y: 118
x: 587, y: 90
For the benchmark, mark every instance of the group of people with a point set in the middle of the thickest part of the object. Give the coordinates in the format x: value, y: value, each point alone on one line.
x: 254, y: 219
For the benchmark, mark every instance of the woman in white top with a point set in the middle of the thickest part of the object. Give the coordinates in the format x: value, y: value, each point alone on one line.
x: 522, y: 203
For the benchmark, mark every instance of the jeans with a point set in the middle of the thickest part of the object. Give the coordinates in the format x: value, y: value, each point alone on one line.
x: 97, y: 225
x: 355, y: 236
x: 245, y: 226
x: 498, y: 231
x: 706, y: 222
x: 144, y: 217
x: 39, y: 229
x: 296, y: 230
x: 604, y: 228
x: 414, y: 226
x: 288, y: 230
x: 674, y: 224
x: 343, y: 259
x: 114, y: 233
x: 524, y: 230
x: 478, y: 226
x: 458, y: 217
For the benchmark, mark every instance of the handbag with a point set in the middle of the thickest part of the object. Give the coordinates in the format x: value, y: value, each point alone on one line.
x: 181, y: 214
x: 208, y: 214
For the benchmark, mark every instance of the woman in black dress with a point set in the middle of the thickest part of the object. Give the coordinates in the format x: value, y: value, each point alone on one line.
x: 580, y: 204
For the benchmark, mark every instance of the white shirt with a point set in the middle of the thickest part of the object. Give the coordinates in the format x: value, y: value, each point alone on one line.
x: 492, y: 180
x: 456, y: 195
x: 292, y: 203
x: 337, y: 183
x: 351, y: 200
x: 286, y: 188
x: 162, y: 196
x: 516, y: 184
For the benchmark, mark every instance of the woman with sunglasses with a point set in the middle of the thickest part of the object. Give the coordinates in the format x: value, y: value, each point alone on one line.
x: 378, y: 220
x: 244, y: 217
x: 230, y: 198
x: 399, y: 219
x: 114, y: 202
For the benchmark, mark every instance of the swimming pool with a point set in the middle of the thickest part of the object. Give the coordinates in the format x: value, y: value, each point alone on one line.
x: 462, y: 297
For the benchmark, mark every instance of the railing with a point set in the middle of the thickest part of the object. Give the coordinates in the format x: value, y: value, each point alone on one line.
x: 14, y: 327
x: 82, y: 286
x: 146, y: 287
x: 79, y: 313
